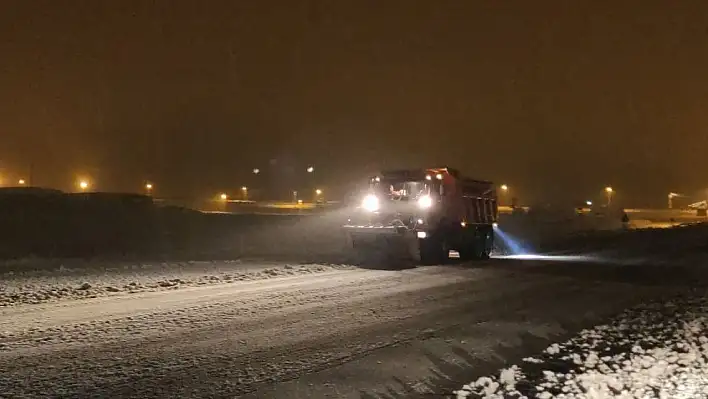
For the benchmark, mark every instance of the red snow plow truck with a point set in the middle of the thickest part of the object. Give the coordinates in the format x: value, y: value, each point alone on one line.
x: 425, y: 213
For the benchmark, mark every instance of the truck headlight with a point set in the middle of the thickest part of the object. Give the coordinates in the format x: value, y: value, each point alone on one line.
x: 370, y: 203
x: 425, y: 202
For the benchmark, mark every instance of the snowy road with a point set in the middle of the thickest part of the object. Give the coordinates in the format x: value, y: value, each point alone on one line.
x: 310, y: 331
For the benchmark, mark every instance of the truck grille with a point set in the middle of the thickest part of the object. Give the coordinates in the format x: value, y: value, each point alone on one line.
x: 380, y: 218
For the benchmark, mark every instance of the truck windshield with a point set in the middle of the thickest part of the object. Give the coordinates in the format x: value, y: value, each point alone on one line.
x: 402, y: 190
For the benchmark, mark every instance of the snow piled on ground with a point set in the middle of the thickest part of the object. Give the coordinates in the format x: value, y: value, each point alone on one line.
x: 657, y: 350
x: 65, y: 283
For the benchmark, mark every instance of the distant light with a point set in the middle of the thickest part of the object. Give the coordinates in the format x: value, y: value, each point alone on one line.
x: 318, y: 191
x: 256, y: 171
x: 244, y: 188
x: 422, y: 234
x: 588, y: 203
x: 377, y: 178
x: 420, y: 221
x: 299, y: 202
x: 463, y: 224
x: 21, y: 182
x: 428, y: 177
x: 504, y: 187
x: 83, y: 185
x: 223, y: 197
x: 439, y: 176
x: 608, y: 189
x: 310, y: 169
x: 495, y: 225
x: 148, y: 186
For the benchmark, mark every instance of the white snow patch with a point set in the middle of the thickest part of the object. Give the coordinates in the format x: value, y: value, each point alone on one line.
x: 655, y: 350
x: 63, y: 283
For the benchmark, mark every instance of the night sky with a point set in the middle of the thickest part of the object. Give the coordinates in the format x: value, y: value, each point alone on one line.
x: 556, y: 99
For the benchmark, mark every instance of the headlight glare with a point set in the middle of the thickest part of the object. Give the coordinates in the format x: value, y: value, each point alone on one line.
x: 425, y: 202
x: 370, y: 203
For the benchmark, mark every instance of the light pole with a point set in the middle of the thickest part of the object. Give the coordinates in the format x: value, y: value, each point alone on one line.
x: 258, y: 183
x: 244, y: 190
x: 609, y: 191
x: 223, y: 202
x: 505, y: 189
x: 311, y: 178
x: 671, y: 199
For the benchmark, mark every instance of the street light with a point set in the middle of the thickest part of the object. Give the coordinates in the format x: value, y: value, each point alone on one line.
x: 318, y: 192
x: 505, y: 190
x: 310, y: 169
x: 671, y: 199
x: 21, y: 182
x: 223, y: 196
x: 244, y: 190
x: 256, y: 171
x: 588, y: 203
x: 609, y: 191
x: 148, y: 187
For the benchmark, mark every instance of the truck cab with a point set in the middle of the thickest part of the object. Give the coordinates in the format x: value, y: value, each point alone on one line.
x: 427, y: 211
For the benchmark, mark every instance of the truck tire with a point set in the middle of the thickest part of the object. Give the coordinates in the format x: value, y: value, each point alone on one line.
x: 468, y: 252
x: 433, y: 250
x: 468, y: 246
x: 477, y: 245
x: 486, y: 243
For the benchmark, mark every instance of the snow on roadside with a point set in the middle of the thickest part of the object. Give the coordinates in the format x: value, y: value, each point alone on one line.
x: 656, y: 350
x: 66, y: 283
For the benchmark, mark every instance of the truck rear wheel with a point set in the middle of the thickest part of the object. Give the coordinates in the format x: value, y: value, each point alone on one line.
x: 485, y: 243
x: 477, y: 245
x: 467, y: 250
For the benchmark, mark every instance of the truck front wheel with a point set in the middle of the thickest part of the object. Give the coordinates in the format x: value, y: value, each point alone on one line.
x: 433, y: 250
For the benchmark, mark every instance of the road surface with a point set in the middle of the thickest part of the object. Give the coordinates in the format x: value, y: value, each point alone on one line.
x: 342, y: 332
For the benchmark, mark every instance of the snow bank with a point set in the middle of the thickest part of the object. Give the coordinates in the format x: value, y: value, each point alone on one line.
x: 75, y: 283
x: 657, y: 350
